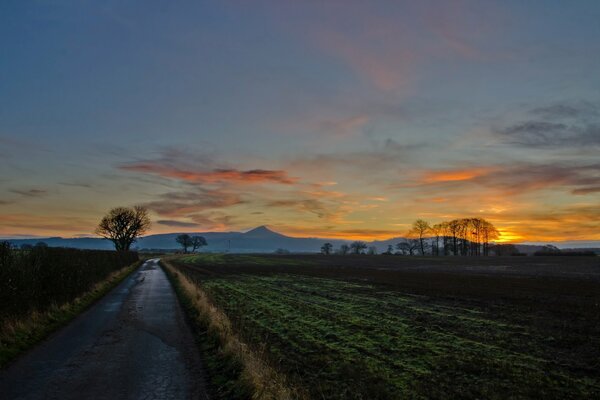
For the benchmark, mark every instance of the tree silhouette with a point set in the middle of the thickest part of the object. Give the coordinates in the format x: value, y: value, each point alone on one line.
x: 389, y: 251
x: 408, y: 246
x: 358, y: 247
x: 197, y: 242
x: 344, y: 249
x: 185, y: 241
x: 420, y: 228
x: 124, y: 225
x: 326, y: 248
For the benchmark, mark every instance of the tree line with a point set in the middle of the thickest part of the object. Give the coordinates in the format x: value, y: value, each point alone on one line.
x: 464, y: 237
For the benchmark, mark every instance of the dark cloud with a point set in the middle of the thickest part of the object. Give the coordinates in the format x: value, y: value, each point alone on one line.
x: 30, y: 192
x: 565, y: 110
x: 587, y: 190
x: 174, y: 223
x: 558, y: 125
x: 313, y: 206
x: 214, y: 220
x: 185, y: 203
x: 76, y: 184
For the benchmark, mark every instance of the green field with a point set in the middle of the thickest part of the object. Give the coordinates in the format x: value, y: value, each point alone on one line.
x: 353, y: 338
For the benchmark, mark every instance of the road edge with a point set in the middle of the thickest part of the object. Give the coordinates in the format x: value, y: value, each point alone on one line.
x: 34, y: 329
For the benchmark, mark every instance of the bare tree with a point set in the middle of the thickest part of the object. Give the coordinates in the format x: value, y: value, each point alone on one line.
x: 197, y: 242
x: 453, y: 229
x: 408, y: 246
x: 124, y: 225
x: 344, y: 249
x: 358, y: 247
x: 419, y: 229
x: 436, y: 230
x: 326, y: 248
x: 185, y: 241
x: 372, y: 250
x: 489, y: 233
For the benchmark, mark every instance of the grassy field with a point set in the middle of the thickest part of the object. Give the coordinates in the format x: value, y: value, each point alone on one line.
x: 399, y: 327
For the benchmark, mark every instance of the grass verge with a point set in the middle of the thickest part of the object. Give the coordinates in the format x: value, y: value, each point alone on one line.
x: 17, y: 336
x: 233, y: 370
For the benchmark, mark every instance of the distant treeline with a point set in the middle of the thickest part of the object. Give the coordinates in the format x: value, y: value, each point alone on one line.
x: 35, y: 278
x: 465, y: 237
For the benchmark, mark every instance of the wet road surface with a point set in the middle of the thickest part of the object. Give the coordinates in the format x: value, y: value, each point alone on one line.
x: 133, y: 344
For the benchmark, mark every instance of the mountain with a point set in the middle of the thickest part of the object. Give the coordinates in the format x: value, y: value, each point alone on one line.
x: 257, y: 240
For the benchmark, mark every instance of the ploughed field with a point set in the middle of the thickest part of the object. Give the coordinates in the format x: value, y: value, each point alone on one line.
x: 415, y: 327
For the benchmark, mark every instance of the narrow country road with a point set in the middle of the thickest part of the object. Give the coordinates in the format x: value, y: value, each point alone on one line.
x: 133, y: 344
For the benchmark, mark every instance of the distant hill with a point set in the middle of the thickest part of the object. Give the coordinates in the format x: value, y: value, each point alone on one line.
x: 258, y: 240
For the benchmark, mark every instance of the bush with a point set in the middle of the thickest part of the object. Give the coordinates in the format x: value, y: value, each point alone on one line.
x: 34, y: 279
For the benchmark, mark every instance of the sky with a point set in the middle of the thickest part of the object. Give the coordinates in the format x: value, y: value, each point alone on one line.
x: 342, y: 119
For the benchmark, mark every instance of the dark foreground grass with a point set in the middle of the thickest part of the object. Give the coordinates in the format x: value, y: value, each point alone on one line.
x: 346, y: 331
x: 17, y: 336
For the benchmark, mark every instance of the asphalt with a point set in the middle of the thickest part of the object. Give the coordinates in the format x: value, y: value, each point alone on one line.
x: 132, y: 344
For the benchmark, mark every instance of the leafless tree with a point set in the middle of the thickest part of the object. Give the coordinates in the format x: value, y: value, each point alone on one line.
x: 489, y: 233
x: 419, y: 229
x: 124, y: 225
x: 408, y: 246
x: 453, y: 229
x: 197, y: 242
x: 358, y: 247
x: 344, y: 249
x: 372, y: 250
x: 326, y: 248
x: 436, y: 231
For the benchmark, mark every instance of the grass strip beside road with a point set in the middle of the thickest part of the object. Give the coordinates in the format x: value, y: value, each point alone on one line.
x: 233, y: 370
x: 20, y: 335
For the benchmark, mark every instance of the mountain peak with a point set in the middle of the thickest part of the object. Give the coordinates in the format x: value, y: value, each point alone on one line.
x: 260, y: 231
x: 262, y: 228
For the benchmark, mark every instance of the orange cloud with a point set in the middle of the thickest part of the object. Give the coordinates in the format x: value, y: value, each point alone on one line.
x: 212, y: 176
x: 454, y: 175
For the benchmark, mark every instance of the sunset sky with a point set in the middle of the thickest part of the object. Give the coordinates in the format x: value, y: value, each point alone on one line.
x: 341, y: 119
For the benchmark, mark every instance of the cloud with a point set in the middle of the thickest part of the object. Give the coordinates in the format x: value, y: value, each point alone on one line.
x: 203, y: 169
x: 188, y: 202
x: 573, y: 222
x: 554, y: 126
x: 76, y: 184
x: 19, y: 223
x: 313, y: 206
x: 516, y: 178
x: 215, y: 220
x: 454, y: 175
x: 583, y: 109
x: 174, y: 223
x: 30, y: 192
x: 587, y: 190
x: 212, y: 176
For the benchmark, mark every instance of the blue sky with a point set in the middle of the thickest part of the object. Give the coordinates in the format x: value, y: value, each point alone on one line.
x: 361, y: 116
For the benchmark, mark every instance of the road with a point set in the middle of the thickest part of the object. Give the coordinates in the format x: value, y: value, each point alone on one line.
x: 132, y: 344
